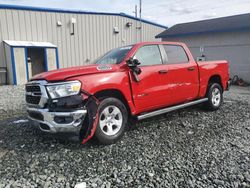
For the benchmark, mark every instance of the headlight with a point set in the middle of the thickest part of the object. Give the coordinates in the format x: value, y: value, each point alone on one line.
x: 63, y: 89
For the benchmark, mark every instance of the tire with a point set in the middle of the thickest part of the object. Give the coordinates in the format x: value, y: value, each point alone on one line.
x: 113, y: 117
x: 215, y: 97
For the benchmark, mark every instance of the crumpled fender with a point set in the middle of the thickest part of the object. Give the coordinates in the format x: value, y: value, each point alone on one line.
x: 91, y: 120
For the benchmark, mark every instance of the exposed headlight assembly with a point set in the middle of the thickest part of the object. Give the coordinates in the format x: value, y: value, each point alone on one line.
x: 63, y: 89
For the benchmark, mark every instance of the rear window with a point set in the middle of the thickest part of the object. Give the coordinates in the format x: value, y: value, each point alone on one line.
x: 175, y: 54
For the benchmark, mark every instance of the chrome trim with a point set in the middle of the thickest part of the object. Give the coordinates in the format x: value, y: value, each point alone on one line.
x: 35, y: 94
x: 78, y: 117
x: 44, y: 95
x: 169, y: 109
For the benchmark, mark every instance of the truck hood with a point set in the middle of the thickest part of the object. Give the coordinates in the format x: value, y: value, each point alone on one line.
x: 62, y: 74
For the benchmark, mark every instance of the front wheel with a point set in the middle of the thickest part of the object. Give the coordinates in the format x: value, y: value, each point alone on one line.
x: 215, y: 96
x: 113, y: 118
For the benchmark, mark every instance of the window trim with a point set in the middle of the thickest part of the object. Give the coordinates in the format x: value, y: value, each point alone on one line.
x: 158, y: 46
x: 166, y: 56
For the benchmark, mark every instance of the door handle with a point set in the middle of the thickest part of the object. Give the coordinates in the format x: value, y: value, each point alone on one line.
x: 163, y: 71
x: 190, y: 68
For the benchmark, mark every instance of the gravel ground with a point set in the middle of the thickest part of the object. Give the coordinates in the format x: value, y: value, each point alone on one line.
x: 12, y: 101
x: 186, y: 148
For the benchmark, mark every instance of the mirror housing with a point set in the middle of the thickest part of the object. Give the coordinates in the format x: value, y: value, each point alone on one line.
x: 133, y: 65
x: 133, y: 62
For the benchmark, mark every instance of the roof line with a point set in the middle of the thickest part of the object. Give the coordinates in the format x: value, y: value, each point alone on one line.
x: 211, y: 19
x: 202, y: 32
x: 58, y: 10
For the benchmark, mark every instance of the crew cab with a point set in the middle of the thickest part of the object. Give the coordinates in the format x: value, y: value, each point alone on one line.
x: 139, y: 81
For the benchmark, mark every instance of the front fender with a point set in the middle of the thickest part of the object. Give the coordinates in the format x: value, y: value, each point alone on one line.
x: 104, y: 81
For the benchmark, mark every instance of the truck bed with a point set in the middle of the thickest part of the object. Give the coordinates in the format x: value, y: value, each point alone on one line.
x: 212, y: 68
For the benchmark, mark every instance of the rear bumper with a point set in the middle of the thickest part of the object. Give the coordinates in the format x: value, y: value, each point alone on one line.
x: 55, y: 122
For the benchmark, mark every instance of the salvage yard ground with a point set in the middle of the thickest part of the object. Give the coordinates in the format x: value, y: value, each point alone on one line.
x: 186, y: 148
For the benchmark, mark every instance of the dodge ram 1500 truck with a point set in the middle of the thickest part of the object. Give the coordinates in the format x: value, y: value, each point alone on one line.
x: 141, y: 80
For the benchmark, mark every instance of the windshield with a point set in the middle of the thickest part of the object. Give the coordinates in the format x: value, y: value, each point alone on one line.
x: 114, y: 56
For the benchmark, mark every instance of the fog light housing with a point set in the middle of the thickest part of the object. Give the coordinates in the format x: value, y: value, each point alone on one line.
x: 44, y: 127
x: 63, y: 119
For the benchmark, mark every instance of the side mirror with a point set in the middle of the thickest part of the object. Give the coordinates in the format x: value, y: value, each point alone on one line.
x: 133, y: 62
x: 133, y: 65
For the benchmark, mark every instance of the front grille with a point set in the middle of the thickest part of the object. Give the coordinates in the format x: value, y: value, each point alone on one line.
x: 33, y: 99
x: 32, y: 88
x: 36, y: 115
x: 33, y: 94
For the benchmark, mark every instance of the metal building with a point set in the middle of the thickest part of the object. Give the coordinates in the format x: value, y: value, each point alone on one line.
x: 221, y: 38
x: 33, y: 40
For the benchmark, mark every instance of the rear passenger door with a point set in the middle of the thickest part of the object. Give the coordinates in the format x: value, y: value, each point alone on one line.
x: 182, y: 74
x: 152, y: 90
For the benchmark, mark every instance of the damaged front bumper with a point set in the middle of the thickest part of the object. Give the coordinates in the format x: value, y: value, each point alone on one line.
x: 55, y: 122
x: 73, y: 114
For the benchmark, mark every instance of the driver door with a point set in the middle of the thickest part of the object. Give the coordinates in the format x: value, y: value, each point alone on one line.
x: 151, y: 90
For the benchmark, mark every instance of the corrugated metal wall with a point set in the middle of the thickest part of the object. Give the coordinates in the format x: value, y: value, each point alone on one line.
x: 231, y: 46
x: 93, y: 33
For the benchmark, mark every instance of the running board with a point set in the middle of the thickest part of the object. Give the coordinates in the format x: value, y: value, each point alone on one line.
x: 169, y: 109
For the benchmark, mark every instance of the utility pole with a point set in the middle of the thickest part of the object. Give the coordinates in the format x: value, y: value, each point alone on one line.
x: 140, y: 21
x: 135, y: 11
x: 140, y: 3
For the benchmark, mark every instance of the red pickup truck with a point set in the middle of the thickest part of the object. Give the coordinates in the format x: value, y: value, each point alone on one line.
x: 141, y: 80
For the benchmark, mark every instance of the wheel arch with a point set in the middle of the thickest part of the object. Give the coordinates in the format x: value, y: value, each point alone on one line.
x: 214, y: 79
x: 113, y: 93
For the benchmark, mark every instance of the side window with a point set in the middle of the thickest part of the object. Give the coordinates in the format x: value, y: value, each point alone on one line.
x: 175, y: 54
x: 149, y: 55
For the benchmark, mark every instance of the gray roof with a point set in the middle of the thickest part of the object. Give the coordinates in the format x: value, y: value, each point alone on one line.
x: 225, y: 24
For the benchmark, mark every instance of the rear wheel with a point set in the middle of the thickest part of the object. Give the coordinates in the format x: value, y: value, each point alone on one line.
x: 113, y: 118
x: 215, y: 96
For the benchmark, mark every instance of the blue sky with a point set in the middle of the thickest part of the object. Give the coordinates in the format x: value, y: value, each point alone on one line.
x: 166, y: 12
